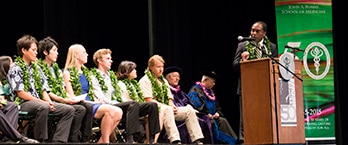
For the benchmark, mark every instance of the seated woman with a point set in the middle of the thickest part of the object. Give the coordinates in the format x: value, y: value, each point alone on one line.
x: 78, y: 81
x: 129, y: 86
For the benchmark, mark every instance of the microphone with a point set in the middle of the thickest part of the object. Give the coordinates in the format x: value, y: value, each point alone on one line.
x: 293, y: 48
x: 240, y: 38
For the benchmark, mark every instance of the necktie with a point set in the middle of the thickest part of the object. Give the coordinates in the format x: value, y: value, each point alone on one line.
x: 258, y: 52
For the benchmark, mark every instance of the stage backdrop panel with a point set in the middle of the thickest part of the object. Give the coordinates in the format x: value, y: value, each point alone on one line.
x: 307, y: 24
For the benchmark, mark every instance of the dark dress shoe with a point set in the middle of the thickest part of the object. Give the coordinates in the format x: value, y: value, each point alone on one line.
x: 198, y: 142
x: 176, y: 142
x: 24, y: 139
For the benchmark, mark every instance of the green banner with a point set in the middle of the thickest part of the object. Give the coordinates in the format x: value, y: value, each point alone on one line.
x: 307, y: 25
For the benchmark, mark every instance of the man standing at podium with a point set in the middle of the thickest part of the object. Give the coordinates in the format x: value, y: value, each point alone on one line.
x: 256, y: 46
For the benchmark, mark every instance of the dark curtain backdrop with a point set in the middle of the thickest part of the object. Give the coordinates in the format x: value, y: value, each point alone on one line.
x: 202, y: 35
x: 341, y: 72
x: 195, y: 35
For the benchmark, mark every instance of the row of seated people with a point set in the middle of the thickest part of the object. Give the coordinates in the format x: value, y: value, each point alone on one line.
x: 40, y: 92
x: 210, y: 125
x: 196, y: 110
x: 77, y: 95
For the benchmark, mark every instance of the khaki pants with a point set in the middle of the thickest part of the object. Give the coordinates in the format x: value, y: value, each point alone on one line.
x: 188, y: 114
x: 167, y: 120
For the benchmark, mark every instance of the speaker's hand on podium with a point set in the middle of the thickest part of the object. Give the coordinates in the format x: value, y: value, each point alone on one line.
x: 245, y: 55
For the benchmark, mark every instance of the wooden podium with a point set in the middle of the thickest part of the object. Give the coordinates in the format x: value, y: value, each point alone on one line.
x: 267, y: 116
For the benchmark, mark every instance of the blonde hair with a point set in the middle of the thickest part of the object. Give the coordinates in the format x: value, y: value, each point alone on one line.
x: 71, y: 58
x: 99, y: 54
x: 152, y: 59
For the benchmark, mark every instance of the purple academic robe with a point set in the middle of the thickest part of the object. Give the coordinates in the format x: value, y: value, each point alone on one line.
x: 181, y: 99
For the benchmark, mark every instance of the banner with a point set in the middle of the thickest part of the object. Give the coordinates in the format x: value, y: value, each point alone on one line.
x: 304, y: 28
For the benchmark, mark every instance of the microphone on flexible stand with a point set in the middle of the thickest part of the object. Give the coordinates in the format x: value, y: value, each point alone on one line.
x: 241, y: 38
x: 293, y: 48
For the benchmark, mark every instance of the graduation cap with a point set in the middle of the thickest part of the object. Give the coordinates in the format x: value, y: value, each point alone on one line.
x: 210, y: 74
x: 172, y: 69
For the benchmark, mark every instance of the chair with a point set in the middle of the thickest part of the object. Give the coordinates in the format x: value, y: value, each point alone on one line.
x: 96, y: 133
x: 24, y: 121
x: 26, y: 124
x: 120, y: 132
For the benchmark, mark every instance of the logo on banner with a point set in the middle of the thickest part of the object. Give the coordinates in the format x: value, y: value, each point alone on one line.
x: 288, y: 65
x: 318, y: 52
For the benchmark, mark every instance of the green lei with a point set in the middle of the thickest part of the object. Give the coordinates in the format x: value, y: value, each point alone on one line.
x: 114, y: 81
x: 134, y: 90
x: 5, y: 88
x: 4, y: 91
x: 75, y: 81
x: 251, y: 48
x: 161, y: 93
x: 37, y: 77
x: 55, y: 81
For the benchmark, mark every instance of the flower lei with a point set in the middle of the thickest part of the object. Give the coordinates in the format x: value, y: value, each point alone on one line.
x: 4, y: 88
x: 54, y: 81
x: 250, y: 47
x: 114, y: 82
x: 134, y: 90
x: 210, y: 97
x: 175, y: 89
x: 117, y: 95
x: 37, y: 77
x: 161, y: 93
x: 75, y: 81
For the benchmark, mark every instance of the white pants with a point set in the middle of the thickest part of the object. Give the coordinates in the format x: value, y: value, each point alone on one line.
x: 167, y: 119
x: 188, y: 114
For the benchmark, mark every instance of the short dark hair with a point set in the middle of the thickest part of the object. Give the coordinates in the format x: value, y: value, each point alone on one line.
x: 46, y: 44
x: 25, y: 42
x: 125, y: 68
x: 264, y: 25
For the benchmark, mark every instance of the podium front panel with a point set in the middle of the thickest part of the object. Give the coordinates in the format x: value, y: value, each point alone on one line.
x: 260, y: 104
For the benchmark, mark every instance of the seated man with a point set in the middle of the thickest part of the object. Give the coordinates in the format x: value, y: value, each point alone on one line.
x: 155, y: 88
x: 172, y: 74
x: 204, y: 100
